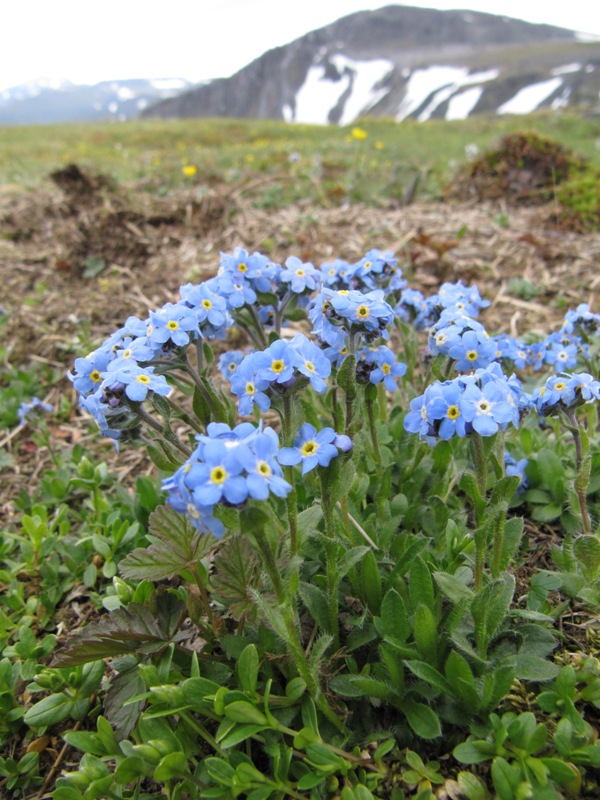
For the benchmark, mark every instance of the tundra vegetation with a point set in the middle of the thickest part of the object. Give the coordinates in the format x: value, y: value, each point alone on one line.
x: 301, y: 490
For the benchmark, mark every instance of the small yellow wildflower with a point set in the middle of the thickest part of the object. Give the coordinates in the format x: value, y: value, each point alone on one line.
x: 190, y: 170
x: 359, y: 134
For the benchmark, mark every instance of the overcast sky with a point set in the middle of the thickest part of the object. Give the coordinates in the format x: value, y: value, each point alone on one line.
x: 87, y: 41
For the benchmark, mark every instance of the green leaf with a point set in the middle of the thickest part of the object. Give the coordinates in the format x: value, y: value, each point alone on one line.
x: 504, y: 489
x: 534, y: 668
x: 130, y: 769
x: 93, y: 266
x: 430, y: 675
x: 587, y: 552
x: 452, y: 587
x: 371, y: 581
x: 247, y: 668
x: 173, y: 765
x: 461, y: 678
x: 489, y: 609
x: 506, y: 778
x: 349, y: 559
x: 422, y: 719
x: 546, y: 513
x: 513, y: 533
x: 420, y: 585
x: 471, y: 751
x: 179, y: 547
x: 472, y: 787
x: 49, y: 710
x: 239, y: 733
x: 315, y: 601
x: 243, y: 711
x: 393, y: 623
x: 426, y: 634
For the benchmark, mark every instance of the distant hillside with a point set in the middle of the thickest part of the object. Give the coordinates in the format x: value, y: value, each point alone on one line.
x: 45, y: 101
x: 403, y: 62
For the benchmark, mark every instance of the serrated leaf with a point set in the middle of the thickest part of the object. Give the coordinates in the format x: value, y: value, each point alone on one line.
x: 120, y: 711
x: 235, y: 575
x: 179, y: 547
x: 134, y: 628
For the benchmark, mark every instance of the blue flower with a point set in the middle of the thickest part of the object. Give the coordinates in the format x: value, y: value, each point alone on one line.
x: 35, y: 404
x: 218, y: 476
x: 136, y: 381
x: 310, y: 448
x: 229, y: 362
x: 87, y: 376
x: 445, y: 406
x: 302, y: 277
x: 249, y: 388
x: 264, y: 475
x: 310, y: 361
x: 386, y: 368
x: 275, y: 364
x: 472, y: 350
x: 487, y: 408
x: 175, y: 323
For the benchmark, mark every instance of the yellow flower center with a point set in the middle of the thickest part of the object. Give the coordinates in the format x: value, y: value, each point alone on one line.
x: 242, y: 267
x: 560, y: 386
x: 142, y: 379
x: 309, y: 448
x: 206, y: 304
x: 300, y: 273
x: 95, y: 376
x: 277, y: 366
x: 343, y: 291
x: 218, y: 475
x: 172, y: 325
x: 472, y: 355
x: 362, y: 312
x: 309, y: 366
x: 453, y: 412
x: 250, y: 388
x: 126, y: 353
x: 386, y: 369
x: 367, y: 265
x: 263, y: 468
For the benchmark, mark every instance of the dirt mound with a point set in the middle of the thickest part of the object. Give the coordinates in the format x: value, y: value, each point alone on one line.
x: 94, y: 224
x: 524, y: 168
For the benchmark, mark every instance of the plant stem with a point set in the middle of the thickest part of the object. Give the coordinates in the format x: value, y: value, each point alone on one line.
x: 291, y: 499
x: 330, y: 561
x: 166, y: 432
x: 582, y: 467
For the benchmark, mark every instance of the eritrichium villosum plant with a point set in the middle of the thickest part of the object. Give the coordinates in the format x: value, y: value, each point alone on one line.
x: 340, y: 519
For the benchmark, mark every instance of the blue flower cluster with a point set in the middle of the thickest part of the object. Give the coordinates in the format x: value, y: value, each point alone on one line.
x: 565, y: 392
x: 484, y: 401
x: 284, y: 366
x: 228, y: 466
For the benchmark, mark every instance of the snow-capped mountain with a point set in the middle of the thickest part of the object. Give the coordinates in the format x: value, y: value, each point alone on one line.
x: 47, y: 101
x: 404, y: 62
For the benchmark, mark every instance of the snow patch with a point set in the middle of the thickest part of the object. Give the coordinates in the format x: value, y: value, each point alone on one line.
x: 461, y: 105
x: 565, y: 69
x: 318, y: 94
x: 529, y: 98
x: 439, y: 83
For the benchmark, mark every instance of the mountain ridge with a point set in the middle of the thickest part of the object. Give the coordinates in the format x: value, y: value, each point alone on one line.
x: 287, y: 81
